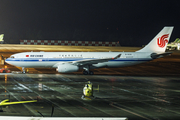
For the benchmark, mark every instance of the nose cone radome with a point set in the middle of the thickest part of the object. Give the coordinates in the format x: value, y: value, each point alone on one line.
x: 7, y: 61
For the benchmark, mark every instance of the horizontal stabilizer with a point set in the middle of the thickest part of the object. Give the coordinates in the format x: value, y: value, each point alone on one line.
x: 155, y: 55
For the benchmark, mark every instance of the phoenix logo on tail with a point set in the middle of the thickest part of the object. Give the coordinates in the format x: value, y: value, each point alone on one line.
x: 161, y: 41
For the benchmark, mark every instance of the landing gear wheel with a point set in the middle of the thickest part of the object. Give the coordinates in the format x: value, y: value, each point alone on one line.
x: 91, y: 72
x: 85, y: 72
x: 23, y: 70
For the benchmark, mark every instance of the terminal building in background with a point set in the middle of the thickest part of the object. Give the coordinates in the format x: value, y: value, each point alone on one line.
x: 68, y: 43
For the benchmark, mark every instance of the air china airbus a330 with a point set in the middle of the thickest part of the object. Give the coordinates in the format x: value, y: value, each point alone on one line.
x: 65, y: 62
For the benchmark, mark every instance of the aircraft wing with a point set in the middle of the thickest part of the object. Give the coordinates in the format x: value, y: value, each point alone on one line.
x: 93, y: 61
x: 87, y: 61
x: 155, y: 55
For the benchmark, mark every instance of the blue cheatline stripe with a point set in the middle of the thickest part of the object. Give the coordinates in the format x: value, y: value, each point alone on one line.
x: 67, y: 60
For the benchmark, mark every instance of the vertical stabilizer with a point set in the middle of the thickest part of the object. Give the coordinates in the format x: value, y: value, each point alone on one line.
x: 159, y: 42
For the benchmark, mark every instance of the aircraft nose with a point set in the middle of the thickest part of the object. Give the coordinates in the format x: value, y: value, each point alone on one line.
x: 7, y: 60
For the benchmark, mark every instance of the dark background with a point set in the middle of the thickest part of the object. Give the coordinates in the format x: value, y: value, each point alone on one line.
x: 131, y: 22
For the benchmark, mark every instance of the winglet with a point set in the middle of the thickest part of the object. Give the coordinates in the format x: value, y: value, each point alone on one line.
x: 118, y: 56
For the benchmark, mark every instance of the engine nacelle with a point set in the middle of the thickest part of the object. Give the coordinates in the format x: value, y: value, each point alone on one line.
x: 65, y: 68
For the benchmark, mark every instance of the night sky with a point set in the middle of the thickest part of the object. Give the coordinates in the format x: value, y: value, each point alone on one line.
x: 131, y: 22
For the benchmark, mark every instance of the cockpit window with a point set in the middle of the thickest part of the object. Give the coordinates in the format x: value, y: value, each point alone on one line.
x: 12, y: 57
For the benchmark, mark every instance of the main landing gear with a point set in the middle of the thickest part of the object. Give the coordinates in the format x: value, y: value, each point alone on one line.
x: 86, y: 71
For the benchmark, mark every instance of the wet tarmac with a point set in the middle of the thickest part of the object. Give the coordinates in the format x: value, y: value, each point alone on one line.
x: 134, y: 97
x: 148, y: 91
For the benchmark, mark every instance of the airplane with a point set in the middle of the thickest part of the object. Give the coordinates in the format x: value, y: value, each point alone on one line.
x: 66, y: 62
x: 1, y: 38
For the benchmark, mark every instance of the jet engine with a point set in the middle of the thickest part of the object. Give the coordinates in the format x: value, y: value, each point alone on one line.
x: 65, y: 68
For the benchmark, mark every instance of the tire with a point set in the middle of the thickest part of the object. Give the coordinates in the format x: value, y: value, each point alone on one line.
x: 85, y: 72
x: 91, y: 72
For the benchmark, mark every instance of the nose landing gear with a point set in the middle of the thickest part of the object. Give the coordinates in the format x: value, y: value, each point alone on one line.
x: 23, y: 70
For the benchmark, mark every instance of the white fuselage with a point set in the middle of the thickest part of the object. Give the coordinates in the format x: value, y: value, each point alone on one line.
x: 73, y: 61
x: 50, y: 59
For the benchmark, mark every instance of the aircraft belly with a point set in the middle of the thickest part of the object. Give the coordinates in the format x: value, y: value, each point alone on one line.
x: 33, y: 64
